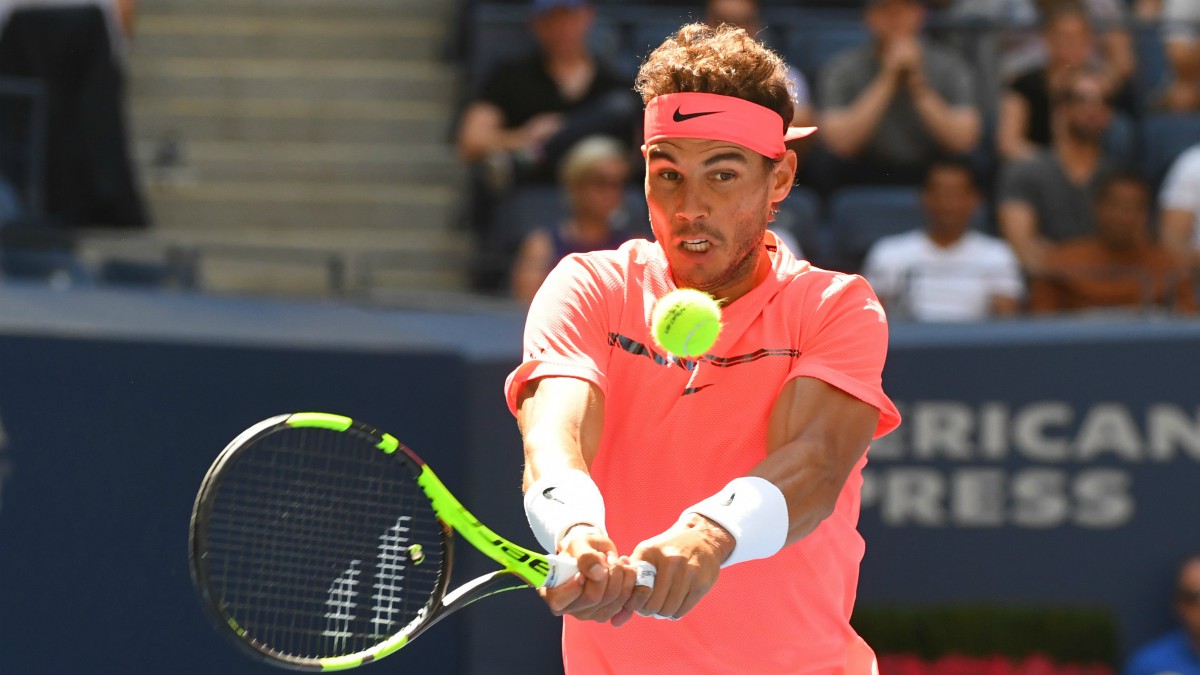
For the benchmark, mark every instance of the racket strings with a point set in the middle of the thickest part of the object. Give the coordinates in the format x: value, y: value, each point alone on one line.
x: 322, y: 545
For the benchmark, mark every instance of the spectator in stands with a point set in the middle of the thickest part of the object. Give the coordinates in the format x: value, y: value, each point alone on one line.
x: 1023, y: 48
x: 1177, y: 652
x: 1047, y: 197
x: 1119, y: 266
x: 593, y: 177
x: 75, y: 48
x: 1181, y: 34
x: 1179, y: 204
x: 530, y: 111
x: 947, y: 271
x: 745, y: 14
x: 890, y: 106
x: 1024, y: 123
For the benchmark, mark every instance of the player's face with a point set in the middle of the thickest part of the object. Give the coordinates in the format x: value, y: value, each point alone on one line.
x: 710, y: 202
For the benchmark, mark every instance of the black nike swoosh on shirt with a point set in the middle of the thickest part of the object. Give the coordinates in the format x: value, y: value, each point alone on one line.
x: 682, y: 117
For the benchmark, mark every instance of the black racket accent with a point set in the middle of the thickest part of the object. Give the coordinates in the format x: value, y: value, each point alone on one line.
x: 312, y: 543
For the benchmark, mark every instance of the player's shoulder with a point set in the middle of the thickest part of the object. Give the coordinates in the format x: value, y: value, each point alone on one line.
x: 815, y: 286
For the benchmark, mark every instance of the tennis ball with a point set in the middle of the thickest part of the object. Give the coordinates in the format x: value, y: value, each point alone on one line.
x: 686, y: 322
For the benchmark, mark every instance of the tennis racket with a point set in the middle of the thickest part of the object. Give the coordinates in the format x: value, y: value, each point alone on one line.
x: 320, y: 543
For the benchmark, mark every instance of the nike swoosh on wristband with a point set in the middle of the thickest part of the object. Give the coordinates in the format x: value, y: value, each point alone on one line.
x: 548, y: 494
x: 682, y: 117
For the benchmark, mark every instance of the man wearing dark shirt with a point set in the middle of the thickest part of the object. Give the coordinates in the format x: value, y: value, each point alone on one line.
x: 532, y: 109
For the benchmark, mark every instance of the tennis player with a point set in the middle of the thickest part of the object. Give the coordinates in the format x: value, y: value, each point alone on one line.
x: 737, y: 475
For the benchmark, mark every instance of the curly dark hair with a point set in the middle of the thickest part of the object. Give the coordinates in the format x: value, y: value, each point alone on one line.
x: 724, y: 60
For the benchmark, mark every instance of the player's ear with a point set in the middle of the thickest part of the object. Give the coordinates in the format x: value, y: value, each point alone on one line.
x: 783, y: 176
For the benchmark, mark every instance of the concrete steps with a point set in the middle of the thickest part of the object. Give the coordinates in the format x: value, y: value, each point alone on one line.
x: 320, y: 127
x: 292, y: 37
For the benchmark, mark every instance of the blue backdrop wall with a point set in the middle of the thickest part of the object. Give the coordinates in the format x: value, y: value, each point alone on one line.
x: 1038, y: 463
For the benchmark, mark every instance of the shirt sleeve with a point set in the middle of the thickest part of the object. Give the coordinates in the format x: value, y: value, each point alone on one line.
x: 1005, y: 278
x: 1181, y: 186
x: 845, y: 344
x: 1017, y: 183
x: 565, y: 331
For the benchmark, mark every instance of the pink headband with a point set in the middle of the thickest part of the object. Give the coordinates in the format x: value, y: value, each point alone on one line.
x: 719, y: 118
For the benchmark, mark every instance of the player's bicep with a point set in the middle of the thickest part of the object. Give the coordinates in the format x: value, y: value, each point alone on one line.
x: 561, y: 419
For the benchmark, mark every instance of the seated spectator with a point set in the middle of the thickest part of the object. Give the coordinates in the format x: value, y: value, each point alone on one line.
x: 889, y: 107
x: 1181, y: 35
x: 593, y: 177
x: 745, y: 14
x: 75, y: 49
x: 1177, y: 652
x: 947, y: 271
x: 1047, y: 198
x: 1119, y: 266
x: 1022, y: 46
x: 531, y: 110
x: 1179, y: 203
x: 1024, y: 124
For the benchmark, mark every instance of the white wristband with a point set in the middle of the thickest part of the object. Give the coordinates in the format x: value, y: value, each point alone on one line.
x: 558, y: 501
x: 754, y: 512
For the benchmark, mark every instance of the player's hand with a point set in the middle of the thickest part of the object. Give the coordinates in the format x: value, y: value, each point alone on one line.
x: 603, y: 584
x: 688, y: 559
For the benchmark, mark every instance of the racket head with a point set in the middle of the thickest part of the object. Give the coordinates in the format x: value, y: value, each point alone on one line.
x: 313, y: 546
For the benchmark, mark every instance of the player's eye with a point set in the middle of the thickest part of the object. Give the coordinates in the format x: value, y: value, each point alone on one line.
x: 668, y: 174
x: 724, y: 176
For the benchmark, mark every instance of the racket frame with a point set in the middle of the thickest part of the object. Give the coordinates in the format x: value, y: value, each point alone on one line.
x: 521, y: 567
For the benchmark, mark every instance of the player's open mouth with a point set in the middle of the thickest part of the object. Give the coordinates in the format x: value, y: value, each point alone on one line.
x: 695, y: 245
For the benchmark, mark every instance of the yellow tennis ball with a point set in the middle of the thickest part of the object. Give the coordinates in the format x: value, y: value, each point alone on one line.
x: 686, y: 322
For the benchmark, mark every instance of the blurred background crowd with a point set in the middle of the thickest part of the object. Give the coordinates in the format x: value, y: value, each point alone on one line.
x: 975, y: 158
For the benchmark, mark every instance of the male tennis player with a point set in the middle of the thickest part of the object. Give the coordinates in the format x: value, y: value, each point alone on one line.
x: 736, y: 474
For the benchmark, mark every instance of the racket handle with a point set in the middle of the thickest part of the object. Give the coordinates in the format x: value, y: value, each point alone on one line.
x: 563, y: 569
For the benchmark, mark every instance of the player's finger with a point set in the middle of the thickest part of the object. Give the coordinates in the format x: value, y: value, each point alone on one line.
x: 645, y: 576
x: 593, y: 567
x: 618, y: 585
x: 677, y: 592
x: 560, y: 597
x: 656, y: 596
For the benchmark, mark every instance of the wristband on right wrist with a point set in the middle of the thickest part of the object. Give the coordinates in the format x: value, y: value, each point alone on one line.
x: 754, y: 512
x: 558, y: 501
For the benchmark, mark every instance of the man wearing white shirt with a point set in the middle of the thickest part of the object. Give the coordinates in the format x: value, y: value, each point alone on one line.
x: 946, y: 271
x: 1179, y: 202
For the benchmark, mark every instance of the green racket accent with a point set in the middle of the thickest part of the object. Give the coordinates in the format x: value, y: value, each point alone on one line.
x: 527, y: 564
x: 320, y: 420
x: 388, y: 444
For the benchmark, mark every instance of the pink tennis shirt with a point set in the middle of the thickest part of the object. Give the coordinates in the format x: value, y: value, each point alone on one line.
x: 676, y: 431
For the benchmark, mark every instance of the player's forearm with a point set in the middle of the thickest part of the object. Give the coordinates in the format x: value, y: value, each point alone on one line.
x: 561, y: 420
x: 811, y: 479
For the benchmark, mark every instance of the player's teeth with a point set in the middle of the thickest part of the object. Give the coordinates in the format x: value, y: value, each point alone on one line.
x: 697, y: 245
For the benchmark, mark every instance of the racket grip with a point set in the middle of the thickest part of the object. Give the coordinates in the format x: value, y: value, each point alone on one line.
x: 563, y: 569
